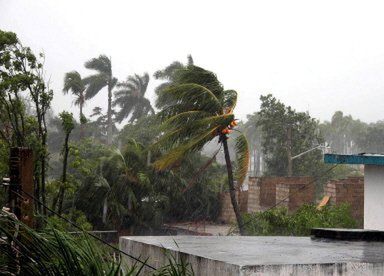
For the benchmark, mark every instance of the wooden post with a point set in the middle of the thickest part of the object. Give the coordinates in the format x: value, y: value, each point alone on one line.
x: 21, y: 179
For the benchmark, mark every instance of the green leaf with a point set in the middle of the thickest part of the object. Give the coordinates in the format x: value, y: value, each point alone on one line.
x: 242, y: 158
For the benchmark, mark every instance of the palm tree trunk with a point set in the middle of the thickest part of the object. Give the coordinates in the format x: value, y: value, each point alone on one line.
x: 105, y: 210
x: 109, y: 130
x: 232, y: 190
x: 81, y: 118
x: 64, y: 177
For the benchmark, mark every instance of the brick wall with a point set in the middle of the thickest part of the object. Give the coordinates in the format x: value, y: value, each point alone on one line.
x: 263, y: 193
x: 349, y: 190
x: 253, y: 194
x: 227, y: 215
x: 294, y: 195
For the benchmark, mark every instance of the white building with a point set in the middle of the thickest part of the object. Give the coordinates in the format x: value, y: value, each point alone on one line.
x: 373, y: 185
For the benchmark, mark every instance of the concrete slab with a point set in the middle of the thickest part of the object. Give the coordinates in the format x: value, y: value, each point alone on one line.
x: 213, y: 255
x: 199, y: 229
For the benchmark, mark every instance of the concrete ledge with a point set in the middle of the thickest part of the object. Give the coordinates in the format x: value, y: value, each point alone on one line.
x: 233, y: 255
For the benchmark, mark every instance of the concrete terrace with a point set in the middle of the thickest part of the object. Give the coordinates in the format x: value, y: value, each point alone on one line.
x: 235, y: 255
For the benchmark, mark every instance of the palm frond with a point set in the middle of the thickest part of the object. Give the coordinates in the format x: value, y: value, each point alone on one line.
x: 168, y: 72
x: 127, y: 106
x: 130, y: 98
x: 73, y: 81
x: 94, y: 84
x: 102, y: 64
x: 177, y: 153
x: 242, y: 158
x: 190, y: 60
x: 229, y: 100
x: 184, y: 118
x: 198, y: 75
x: 113, y: 82
x: 176, y: 136
x: 190, y: 96
x: 161, y: 87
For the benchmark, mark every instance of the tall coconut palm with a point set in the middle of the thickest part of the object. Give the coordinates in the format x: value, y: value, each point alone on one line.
x: 95, y: 83
x: 196, y: 109
x: 131, y: 98
x: 74, y: 83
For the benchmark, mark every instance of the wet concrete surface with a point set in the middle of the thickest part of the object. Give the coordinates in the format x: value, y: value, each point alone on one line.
x: 245, y: 251
x: 254, y: 256
x: 200, y: 229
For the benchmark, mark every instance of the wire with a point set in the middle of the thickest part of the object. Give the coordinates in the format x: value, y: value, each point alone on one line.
x: 284, y: 199
x: 90, y: 234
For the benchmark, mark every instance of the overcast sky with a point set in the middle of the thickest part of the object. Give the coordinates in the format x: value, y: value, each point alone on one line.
x: 317, y: 56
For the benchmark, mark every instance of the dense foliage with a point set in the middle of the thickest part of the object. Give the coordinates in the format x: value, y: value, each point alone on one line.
x: 55, y: 252
x: 287, y: 133
x: 278, y: 222
x: 22, y: 81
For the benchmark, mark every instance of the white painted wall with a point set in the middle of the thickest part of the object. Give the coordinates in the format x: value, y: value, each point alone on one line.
x: 374, y: 197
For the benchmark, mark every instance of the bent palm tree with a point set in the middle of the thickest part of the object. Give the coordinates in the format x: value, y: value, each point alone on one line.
x: 74, y: 83
x: 103, y: 78
x: 131, y: 98
x: 195, y: 109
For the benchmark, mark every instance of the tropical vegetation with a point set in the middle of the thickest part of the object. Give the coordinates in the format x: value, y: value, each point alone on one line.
x: 278, y: 222
x: 146, y: 161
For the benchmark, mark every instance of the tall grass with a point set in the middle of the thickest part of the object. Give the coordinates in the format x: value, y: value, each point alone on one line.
x: 24, y: 251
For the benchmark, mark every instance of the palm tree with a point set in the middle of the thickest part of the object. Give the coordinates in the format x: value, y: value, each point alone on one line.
x: 74, y: 83
x: 103, y: 78
x: 131, y: 98
x: 195, y: 109
x: 168, y: 73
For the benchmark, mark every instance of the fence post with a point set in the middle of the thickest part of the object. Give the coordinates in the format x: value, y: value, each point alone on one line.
x: 21, y: 179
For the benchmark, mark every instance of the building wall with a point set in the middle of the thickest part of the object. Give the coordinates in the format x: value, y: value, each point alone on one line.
x: 374, y: 197
x: 349, y: 190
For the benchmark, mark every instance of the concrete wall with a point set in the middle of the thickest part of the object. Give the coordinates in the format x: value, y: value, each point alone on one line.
x: 349, y: 190
x: 374, y: 197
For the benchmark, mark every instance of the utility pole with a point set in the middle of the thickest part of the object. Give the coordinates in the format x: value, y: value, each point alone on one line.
x: 289, y: 150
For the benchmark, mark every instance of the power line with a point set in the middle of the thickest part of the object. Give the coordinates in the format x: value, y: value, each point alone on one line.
x: 299, y: 190
x: 79, y: 228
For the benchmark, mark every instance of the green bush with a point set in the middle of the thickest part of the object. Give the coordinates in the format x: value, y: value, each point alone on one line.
x: 75, y: 216
x: 278, y: 221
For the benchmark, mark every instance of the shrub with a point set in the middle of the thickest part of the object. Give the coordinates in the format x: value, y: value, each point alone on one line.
x: 278, y: 221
